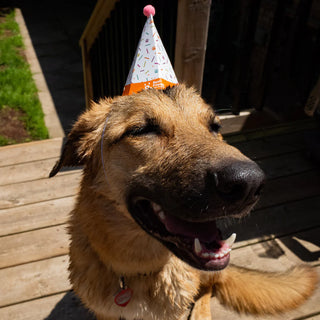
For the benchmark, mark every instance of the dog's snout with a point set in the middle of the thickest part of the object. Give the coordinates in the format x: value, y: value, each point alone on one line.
x: 239, y: 181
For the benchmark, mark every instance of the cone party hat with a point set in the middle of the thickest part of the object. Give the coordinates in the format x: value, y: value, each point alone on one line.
x: 151, y: 67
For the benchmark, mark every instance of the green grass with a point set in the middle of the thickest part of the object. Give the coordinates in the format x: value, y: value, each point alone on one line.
x: 17, y: 88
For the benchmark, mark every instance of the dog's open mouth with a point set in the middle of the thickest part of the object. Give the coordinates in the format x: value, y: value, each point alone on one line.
x: 199, y: 244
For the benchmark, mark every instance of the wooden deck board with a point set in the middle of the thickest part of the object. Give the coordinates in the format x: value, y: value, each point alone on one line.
x: 39, y: 190
x: 32, y: 151
x: 31, y: 310
x: 36, y: 215
x: 285, y: 164
x: 277, y: 221
x: 312, y: 317
x: 34, y: 280
x: 33, y: 245
x: 281, y: 253
x: 283, y: 230
x: 273, y: 145
x: 290, y: 188
x: 63, y: 306
x: 22, y: 172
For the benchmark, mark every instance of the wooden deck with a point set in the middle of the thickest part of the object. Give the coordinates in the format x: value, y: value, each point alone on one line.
x: 283, y: 230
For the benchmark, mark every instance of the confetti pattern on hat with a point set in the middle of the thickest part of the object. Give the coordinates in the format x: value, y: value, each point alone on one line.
x: 151, y: 67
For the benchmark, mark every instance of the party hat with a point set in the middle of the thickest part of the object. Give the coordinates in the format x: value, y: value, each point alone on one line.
x: 151, y: 67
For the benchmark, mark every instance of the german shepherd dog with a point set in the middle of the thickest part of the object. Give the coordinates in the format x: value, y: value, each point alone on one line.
x: 144, y: 239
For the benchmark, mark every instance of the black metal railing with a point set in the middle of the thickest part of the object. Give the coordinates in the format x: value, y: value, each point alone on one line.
x: 113, y: 51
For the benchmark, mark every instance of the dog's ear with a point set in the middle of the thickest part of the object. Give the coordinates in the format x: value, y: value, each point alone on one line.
x: 83, y: 137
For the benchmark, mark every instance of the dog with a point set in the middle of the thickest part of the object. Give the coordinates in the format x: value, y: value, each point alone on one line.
x: 144, y: 239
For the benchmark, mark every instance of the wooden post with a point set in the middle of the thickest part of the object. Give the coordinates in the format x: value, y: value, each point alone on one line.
x: 191, y: 41
x: 87, y: 76
x: 100, y: 13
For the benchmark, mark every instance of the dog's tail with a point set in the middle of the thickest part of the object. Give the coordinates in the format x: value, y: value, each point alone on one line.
x: 261, y: 293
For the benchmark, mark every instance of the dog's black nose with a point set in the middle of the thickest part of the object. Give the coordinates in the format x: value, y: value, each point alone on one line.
x: 239, y: 181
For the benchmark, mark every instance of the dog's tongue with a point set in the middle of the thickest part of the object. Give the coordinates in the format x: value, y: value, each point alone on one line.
x: 206, y: 232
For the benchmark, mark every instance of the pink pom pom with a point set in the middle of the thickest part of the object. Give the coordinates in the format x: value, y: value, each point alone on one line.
x: 149, y: 10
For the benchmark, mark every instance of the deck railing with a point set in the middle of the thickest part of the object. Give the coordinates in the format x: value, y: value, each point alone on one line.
x: 113, y: 31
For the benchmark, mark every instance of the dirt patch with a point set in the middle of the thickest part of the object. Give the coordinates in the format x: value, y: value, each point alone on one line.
x: 5, y: 33
x: 11, y: 125
x: 5, y: 11
x: 22, y: 54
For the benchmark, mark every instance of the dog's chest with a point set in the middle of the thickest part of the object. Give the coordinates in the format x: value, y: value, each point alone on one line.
x: 155, y: 298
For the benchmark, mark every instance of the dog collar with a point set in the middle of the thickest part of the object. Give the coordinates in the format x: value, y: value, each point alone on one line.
x: 124, y: 295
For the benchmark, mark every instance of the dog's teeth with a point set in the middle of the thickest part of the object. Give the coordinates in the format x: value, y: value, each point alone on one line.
x: 214, y: 255
x: 162, y: 216
x: 205, y: 255
x: 156, y: 208
x: 197, y: 246
x: 230, y: 241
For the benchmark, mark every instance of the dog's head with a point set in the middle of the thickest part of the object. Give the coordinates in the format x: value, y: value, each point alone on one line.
x: 160, y: 155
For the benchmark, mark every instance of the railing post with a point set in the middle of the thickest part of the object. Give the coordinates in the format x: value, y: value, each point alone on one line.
x: 191, y: 41
x: 100, y: 13
x: 87, y: 76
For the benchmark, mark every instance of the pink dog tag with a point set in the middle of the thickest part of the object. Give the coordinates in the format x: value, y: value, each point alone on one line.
x: 123, y: 297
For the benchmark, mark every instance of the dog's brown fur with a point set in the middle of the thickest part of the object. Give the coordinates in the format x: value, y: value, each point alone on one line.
x: 106, y: 242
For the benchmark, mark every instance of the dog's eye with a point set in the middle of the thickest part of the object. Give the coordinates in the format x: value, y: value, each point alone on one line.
x: 149, y: 128
x: 215, y: 127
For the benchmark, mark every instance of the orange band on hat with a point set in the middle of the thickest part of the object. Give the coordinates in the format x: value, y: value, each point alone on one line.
x: 156, y: 84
